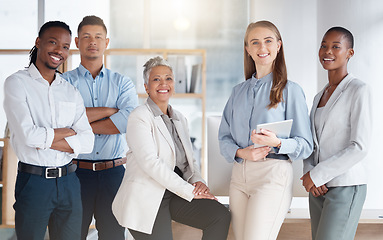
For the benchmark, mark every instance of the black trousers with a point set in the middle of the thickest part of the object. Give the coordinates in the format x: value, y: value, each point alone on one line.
x: 206, y: 214
x: 98, y: 190
x: 42, y: 202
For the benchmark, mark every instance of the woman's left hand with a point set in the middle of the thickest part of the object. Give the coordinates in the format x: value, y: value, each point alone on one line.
x: 265, y: 137
x: 307, y: 182
x: 200, y: 188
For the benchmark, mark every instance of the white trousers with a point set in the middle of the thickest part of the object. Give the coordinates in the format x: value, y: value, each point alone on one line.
x: 260, y: 196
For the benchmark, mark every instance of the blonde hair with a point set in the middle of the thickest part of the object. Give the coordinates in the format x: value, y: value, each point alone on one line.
x: 279, y: 65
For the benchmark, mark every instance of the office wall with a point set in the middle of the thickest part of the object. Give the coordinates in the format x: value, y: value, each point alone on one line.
x: 301, y: 22
x: 297, y: 23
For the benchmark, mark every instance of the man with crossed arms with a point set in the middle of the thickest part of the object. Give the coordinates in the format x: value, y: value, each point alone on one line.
x: 109, y: 98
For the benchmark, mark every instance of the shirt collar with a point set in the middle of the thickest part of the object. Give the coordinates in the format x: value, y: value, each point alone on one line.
x: 267, y: 78
x: 84, y: 71
x: 36, y: 75
x: 157, y: 111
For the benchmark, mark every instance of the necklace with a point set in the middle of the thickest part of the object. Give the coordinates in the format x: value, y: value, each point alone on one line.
x: 330, y: 86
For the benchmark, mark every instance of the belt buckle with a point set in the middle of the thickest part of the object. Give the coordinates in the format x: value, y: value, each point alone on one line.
x: 94, y: 166
x: 47, y: 173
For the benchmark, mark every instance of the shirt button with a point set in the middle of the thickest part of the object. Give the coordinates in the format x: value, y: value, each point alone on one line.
x: 96, y: 152
x: 95, y: 99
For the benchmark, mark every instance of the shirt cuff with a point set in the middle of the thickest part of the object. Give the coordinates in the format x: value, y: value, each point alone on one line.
x: 287, y: 146
x: 74, y: 143
x: 232, y: 150
x: 49, y: 137
x: 119, y: 121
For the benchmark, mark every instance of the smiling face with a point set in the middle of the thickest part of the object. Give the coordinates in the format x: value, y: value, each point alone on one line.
x: 335, y: 51
x: 53, y: 48
x: 263, y: 46
x: 92, y: 42
x: 160, y: 86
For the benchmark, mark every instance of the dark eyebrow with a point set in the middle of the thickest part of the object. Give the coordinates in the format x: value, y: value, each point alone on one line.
x: 58, y: 40
x: 86, y: 33
x: 52, y: 38
x: 332, y: 42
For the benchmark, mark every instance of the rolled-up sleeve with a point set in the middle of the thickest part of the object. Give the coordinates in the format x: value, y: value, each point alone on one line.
x: 83, y: 141
x: 126, y: 102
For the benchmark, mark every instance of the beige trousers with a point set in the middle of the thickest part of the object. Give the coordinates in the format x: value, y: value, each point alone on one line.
x: 260, y: 196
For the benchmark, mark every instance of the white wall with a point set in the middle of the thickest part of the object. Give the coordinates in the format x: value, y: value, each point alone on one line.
x: 296, y: 21
x: 302, y: 25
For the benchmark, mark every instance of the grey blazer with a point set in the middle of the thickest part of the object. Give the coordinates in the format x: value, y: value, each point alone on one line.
x: 343, y: 136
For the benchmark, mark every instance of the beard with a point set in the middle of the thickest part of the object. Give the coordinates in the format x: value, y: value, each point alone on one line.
x: 51, y: 67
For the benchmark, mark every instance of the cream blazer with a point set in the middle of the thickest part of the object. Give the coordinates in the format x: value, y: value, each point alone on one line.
x: 150, y: 169
x: 343, y: 138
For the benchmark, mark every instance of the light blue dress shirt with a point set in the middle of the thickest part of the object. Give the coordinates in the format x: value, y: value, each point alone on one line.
x: 247, y: 107
x: 108, y: 89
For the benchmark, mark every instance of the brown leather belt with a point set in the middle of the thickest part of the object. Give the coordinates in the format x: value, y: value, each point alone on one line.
x: 99, y: 166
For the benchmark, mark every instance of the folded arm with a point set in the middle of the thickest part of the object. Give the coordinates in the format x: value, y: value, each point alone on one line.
x: 59, y: 143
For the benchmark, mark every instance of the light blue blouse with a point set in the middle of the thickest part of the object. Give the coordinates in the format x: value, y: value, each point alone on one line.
x: 247, y: 107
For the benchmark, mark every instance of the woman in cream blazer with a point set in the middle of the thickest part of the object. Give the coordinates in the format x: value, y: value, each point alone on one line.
x: 152, y: 191
x: 341, y: 128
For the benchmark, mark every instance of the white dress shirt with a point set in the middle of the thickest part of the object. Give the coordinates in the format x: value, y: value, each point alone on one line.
x: 34, y: 109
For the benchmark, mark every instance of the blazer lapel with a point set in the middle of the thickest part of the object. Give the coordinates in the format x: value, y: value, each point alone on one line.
x: 185, y: 142
x: 159, y: 123
x: 312, y: 116
x: 164, y: 131
x: 332, y: 101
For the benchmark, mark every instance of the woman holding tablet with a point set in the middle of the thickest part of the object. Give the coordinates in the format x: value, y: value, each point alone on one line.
x: 261, y: 183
